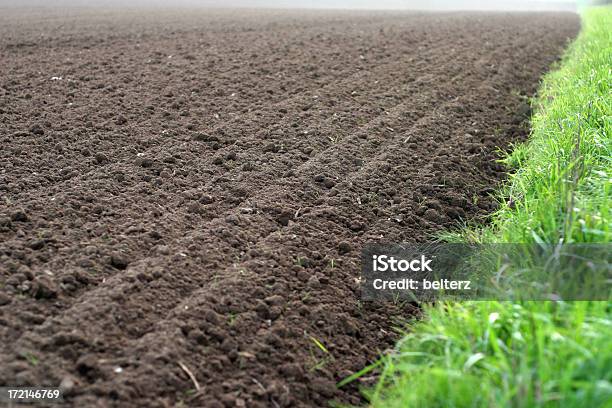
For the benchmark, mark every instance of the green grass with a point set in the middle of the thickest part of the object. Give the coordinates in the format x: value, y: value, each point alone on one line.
x: 493, y: 354
x: 530, y: 354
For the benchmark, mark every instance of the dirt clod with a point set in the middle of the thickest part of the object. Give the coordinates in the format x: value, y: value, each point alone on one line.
x: 37, y: 130
x: 271, y: 147
x: 43, y: 287
x: 344, y: 247
x: 119, y: 260
x: 19, y: 216
x: 4, y: 299
x: 284, y: 218
x: 329, y: 183
x: 100, y: 158
x: 37, y: 244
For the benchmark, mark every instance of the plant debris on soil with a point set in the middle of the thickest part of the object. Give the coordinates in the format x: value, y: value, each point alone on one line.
x: 184, y: 196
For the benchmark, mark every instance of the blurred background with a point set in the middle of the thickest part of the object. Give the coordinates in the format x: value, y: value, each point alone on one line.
x: 531, y: 5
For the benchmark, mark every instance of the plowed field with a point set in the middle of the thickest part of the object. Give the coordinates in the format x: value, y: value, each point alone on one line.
x: 188, y: 192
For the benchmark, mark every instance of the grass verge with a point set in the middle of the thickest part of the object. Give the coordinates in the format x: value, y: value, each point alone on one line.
x: 530, y: 354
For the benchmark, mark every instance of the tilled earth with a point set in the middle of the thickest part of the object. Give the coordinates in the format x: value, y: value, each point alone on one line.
x: 189, y: 192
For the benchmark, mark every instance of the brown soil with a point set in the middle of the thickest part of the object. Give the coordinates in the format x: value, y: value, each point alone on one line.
x: 194, y: 188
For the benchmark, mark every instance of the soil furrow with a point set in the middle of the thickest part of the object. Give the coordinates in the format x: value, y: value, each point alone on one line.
x: 213, y: 183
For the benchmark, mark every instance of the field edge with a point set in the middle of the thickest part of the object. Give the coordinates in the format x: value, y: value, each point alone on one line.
x: 531, y: 353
